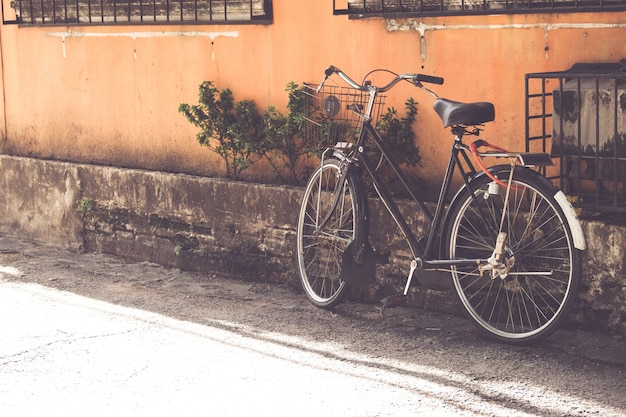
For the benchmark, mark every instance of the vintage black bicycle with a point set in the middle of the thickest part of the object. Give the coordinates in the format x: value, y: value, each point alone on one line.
x: 509, y: 239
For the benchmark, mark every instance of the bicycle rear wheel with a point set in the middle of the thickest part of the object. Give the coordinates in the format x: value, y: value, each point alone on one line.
x: 320, y: 247
x: 530, y: 296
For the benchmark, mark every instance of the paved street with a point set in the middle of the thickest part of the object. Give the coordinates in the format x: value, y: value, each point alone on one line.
x: 145, y: 340
x: 70, y: 355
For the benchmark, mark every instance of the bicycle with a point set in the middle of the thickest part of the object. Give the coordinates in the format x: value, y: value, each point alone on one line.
x: 509, y: 239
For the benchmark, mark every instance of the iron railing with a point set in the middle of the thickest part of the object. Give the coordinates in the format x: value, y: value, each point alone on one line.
x: 101, y: 12
x: 579, y: 116
x: 417, y: 8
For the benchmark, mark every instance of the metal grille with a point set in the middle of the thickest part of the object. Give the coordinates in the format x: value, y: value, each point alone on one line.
x: 99, y: 12
x: 579, y: 116
x: 415, y: 8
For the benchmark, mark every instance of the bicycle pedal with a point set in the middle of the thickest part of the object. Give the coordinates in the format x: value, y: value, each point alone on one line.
x: 393, y: 301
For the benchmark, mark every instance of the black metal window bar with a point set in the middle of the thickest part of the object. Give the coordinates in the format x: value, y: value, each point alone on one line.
x: 416, y: 8
x: 102, y: 12
x: 579, y: 116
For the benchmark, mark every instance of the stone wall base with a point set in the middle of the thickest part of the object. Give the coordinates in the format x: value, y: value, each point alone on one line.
x: 242, y: 229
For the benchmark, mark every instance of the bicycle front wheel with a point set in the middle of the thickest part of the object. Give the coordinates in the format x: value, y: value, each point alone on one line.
x: 326, y: 226
x: 528, y: 294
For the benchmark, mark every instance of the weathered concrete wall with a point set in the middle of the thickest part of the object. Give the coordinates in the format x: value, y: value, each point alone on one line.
x: 190, y: 222
x: 248, y: 230
x: 38, y: 200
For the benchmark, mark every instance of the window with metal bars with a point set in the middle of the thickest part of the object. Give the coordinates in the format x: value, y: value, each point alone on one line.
x: 105, y: 12
x: 417, y: 8
x: 579, y: 116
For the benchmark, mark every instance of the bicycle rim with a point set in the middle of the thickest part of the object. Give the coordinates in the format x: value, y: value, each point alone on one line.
x: 320, y: 249
x: 528, y: 301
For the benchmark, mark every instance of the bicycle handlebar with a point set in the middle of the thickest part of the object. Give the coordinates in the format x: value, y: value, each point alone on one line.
x: 415, y: 79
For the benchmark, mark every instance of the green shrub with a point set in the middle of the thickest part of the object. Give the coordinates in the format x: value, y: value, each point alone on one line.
x: 284, y: 141
x: 400, y: 141
x: 233, y: 130
x: 241, y: 136
x: 398, y: 134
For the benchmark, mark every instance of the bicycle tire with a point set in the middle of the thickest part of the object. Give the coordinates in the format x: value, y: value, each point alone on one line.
x: 320, y: 252
x: 534, y: 297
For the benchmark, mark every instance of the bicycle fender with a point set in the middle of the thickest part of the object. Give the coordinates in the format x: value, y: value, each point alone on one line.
x: 359, y: 260
x: 572, y: 219
x: 566, y: 207
x: 361, y: 202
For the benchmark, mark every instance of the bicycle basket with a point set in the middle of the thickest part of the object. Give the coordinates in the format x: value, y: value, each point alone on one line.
x: 330, y: 113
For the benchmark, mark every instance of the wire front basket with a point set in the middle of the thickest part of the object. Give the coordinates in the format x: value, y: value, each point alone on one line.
x: 334, y: 113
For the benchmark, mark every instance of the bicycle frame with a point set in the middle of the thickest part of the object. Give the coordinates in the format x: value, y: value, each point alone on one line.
x: 424, y: 257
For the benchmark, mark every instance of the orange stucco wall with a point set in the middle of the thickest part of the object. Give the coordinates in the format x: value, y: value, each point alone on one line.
x: 110, y: 94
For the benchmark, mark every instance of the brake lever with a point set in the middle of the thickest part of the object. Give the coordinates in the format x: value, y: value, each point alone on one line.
x: 330, y: 70
x: 320, y: 85
x: 416, y: 80
x: 419, y: 84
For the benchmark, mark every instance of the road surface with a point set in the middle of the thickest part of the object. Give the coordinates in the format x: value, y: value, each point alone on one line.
x: 88, y: 334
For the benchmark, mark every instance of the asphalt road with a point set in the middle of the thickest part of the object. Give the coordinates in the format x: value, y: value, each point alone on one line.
x: 89, y: 334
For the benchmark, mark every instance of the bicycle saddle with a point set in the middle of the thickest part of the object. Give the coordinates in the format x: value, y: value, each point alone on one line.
x: 455, y: 113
